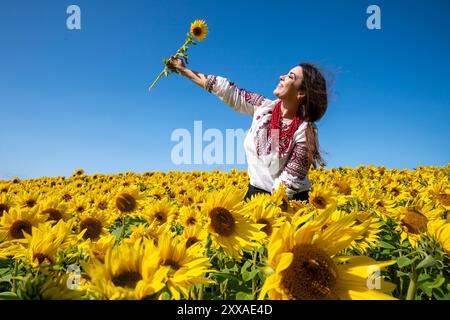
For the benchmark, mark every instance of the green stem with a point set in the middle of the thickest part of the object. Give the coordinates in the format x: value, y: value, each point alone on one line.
x: 254, y: 254
x: 16, y: 267
x: 122, y: 231
x: 412, y: 288
x: 157, y: 79
x: 200, y: 292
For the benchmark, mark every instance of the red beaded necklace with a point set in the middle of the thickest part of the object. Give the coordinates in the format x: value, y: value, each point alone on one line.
x: 285, y: 136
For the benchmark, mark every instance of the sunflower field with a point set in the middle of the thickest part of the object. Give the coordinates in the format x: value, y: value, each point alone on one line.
x: 365, y: 233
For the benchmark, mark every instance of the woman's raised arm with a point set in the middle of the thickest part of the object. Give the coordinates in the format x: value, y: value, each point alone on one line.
x: 241, y: 100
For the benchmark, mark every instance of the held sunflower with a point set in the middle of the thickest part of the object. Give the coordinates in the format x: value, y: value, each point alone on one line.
x: 199, y: 29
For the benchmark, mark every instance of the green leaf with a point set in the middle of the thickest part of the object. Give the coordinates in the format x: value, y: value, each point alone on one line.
x: 6, y: 278
x: 8, y: 296
x: 426, y: 283
x: 440, y: 280
x: 404, y: 261
x: 250, y: 275
x: 402, y: 274
x: 428, y: 262
x: 385, y: 245
x: 244, y: 296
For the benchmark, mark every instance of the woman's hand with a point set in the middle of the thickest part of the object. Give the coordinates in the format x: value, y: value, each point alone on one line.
x: 175, y: 63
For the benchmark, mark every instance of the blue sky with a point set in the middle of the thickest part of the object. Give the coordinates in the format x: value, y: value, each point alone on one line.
x: 78, y: 98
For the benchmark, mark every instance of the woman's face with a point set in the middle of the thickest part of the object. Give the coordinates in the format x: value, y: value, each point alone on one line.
x: 288, y: 87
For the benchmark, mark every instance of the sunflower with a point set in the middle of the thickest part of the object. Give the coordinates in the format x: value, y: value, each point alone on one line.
x: 151, y: 232
x: 17, y: 222
x: 128, y: 272
x: 440, y: 194
x: 413, y: 220
x: 306, y: 266
x: 160, y: 211
x: 195, y: 234
x: 371, y: 225
x: 342, y: 186
x: 280, y: 199
x: 28, y: 199
x: 199, y: 29
x: 440, y: 231
x: 54, y: 209
x: 94, y: 223
x: 79, y: 205
x: 264, y: 212
x: 101, y: 201
x: 79, y: 173
x: 187, y: 266
x: 321, y: 198
x: 5, y: 203
x: 127, y: 200
x: 98, y: 248
x: 228, y: 228
x: 395, y: 190
x: 377, y: 202
x: 66, y: 194
x: 41, y: 246
x: 190, y: 216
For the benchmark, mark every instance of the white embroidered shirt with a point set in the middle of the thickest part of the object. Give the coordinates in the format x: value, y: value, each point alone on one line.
x: 268, y: 169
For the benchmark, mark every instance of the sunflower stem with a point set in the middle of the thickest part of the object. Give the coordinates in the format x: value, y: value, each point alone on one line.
x: 157, y: 79
x: 16, y: 267
x: 122, y: 231
x: 412, y: 288
x: 200, y: 292
x: 254, y: 254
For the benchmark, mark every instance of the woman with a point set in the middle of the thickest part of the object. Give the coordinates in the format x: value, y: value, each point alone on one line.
x: 282, y: 142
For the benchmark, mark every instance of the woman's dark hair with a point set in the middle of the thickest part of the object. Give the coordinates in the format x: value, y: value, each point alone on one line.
x: 315, y: 104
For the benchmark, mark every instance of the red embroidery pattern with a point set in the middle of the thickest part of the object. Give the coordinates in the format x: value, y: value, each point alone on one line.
x: 250, y: 97
x: 262, y: 143
x: 298, y: 164
x: 210, y: 82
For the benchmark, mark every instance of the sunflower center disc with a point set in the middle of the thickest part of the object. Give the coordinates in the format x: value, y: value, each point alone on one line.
x: 93, y: 226
x: 343, y: 187
x: 312, y: 274
x: 190, y: 241
x: 191, y: 221
x: 17, y: 227
x: 161, y: 217
x: 125, y: 202
x: 3, y: 207
x: 67, y: 197
x: 415, y: 221
x: 53, y: 214
x: 127, y: 279
x: 319, y: 202
x: 268, y: 228
x: 174, y: 265
x: 197, y: 31
x: 443, y: 198
x: 30, y: 203
x: 222, y: 221
x: 102, y: 205
x: 41, y: 257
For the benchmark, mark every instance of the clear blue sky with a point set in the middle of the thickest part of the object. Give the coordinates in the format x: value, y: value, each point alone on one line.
x: 71, y: 99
